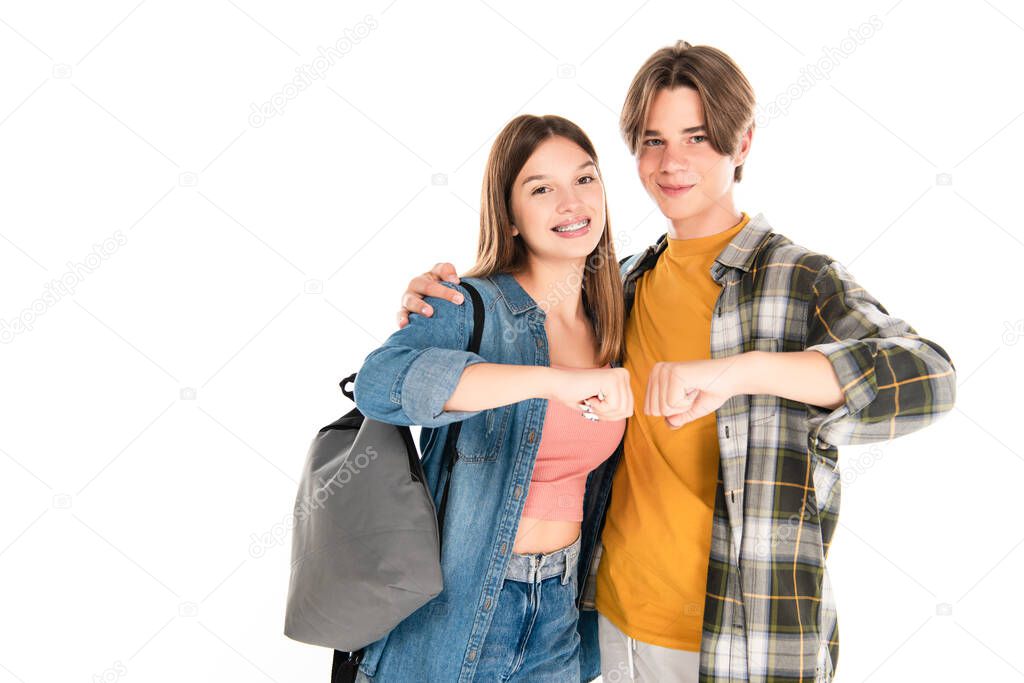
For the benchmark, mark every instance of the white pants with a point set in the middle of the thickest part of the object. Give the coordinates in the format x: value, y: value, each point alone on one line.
x: 625, y: 659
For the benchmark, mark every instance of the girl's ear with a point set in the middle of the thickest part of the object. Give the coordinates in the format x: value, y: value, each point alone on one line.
x: 515, y: 231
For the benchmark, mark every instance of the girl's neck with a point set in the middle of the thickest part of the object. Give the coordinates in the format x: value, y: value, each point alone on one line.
x: 556, y: 287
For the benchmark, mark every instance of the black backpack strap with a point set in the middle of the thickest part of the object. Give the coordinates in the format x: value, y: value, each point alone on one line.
x: 450, y: 454
x: 348, y: 392
x: 345, y: 666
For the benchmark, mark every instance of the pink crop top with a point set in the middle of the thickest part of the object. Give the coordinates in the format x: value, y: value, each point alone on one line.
x: 570, y: 447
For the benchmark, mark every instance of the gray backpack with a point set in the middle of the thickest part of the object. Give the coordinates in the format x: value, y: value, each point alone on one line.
x: 366, y: 539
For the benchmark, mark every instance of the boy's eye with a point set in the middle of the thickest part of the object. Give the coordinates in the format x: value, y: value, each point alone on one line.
x: 697, y: 139
x: 652, y: 142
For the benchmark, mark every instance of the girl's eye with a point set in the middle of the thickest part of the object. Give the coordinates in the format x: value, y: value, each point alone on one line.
x: 538, y: 190
x: 652, y: 142
x: 586, y: 180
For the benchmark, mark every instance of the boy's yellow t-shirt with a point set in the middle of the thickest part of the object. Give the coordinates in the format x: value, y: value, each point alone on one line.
x: 652, y: 579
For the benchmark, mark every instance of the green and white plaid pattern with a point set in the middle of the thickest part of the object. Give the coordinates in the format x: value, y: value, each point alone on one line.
x: 769, y: 611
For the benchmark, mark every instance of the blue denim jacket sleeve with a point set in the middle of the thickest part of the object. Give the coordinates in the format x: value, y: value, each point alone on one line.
x: 408, y: 379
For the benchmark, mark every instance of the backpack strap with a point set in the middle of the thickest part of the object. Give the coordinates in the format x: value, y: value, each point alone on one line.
x: 348, y: 392
x: 450, y: 454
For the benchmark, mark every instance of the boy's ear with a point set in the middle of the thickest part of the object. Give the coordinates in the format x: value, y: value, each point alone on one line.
x: 744, y: 147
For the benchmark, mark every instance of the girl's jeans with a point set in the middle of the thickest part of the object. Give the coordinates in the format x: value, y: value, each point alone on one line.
x: 533, y: 633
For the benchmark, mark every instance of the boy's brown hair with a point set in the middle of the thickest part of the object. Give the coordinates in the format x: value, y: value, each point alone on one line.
x: 725, y: 94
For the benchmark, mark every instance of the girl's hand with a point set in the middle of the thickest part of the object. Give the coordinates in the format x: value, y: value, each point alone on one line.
x: 576, y: 388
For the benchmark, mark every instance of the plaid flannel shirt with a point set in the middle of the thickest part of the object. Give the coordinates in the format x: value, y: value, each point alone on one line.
x: 769, y: 612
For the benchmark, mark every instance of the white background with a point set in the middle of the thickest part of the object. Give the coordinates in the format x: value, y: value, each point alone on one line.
x: 144, y: 533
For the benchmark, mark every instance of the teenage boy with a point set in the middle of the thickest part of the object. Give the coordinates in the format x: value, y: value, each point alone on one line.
x: 752, y: 360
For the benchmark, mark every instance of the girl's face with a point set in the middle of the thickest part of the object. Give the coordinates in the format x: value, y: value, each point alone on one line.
x: 558, y: 202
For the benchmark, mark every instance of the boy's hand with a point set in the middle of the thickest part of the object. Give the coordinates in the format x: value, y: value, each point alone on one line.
x: 684, y: 392
x: 427, y: 285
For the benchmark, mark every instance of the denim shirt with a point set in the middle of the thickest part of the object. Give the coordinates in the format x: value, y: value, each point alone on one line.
x: 407, y: 381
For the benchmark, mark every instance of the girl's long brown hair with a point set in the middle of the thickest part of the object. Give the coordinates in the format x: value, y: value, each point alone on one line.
x: 499, y: 251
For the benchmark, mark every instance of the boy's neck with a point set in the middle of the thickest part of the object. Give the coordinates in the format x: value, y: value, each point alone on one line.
x: 720, y: 217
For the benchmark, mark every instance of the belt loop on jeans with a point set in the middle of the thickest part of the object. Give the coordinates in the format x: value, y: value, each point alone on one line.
x: 571, y: 557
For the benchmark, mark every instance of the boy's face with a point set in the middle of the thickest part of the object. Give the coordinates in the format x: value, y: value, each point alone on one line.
x: 680, y: 169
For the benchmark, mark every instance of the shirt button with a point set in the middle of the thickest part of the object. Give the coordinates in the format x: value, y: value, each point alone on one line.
x: 472, y: 655
x: 539, y: 343
x: 504, y: 547
x: 531, y: 436
x: 518, y: 492
x: 487, y: 603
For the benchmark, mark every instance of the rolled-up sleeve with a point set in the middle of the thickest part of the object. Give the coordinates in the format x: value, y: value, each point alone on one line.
x: 894, y: 381
x: 409, y: 378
